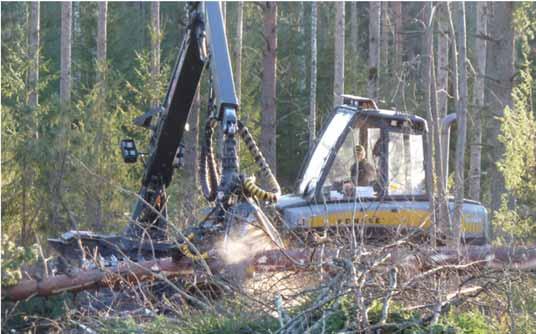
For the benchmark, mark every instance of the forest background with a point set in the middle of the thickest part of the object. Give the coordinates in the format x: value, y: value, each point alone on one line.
x: 75, y: 75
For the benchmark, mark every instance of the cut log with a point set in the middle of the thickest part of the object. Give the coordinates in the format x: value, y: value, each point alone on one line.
x: 268, y: 261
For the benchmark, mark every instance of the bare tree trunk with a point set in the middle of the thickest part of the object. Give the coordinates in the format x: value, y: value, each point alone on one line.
x: 269, y: 75
x: 398, y: 54
x: 33, y: 101
x: 374, y: 49
x: 428, y: 47
x: 338, y: 80
x: 354, y: 60
x: 478, y: 101
x: 77, y: 43
x: 302, y: 50
x: 101, y: 41
x: 65, y: 61
x: 33, y: 53
x: 384, y: 33
x: 461, y: 115
x: 397, y: 20
x: 237, y: 49
x: 440, y: 95
x: 499, y: 76
x: 312, y: 97
x: 442, y: 60
x: 155, y: 49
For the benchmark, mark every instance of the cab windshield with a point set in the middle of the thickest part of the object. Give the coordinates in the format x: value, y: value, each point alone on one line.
x: 376, y: 161
x: 322, y: 151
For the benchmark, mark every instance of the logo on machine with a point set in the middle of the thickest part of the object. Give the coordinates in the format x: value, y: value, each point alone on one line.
x: 359, y: 220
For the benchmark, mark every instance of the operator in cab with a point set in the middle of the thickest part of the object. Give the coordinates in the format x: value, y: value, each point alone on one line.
x: 362, y: 172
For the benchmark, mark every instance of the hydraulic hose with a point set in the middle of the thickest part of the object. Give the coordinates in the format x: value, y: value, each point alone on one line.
x: 208, y: 173
x: 249, y: 183
x: 185, y: 249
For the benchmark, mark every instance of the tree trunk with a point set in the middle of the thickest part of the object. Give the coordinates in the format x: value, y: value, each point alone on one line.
x: 478, y: 101
x: 397, y: 20
x: 312, y: 97
x: 155, y: 49
x: 499, y: 76
x: 33, y: 54
x: 442, y: 60
x: 101, y: 41
x: 398, y: 54
x: 384, y: 35
x: 461, y: 115
x: 269, y: 75
x: 338, y: 80
x: 65, y: 61
x: 237, y: 49
x: 374, y: 49
x: 428, y: 42
x: 77, y: 43
x: 354, y: 47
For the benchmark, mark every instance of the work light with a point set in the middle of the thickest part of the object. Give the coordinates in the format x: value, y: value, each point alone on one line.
x: 129, y: 151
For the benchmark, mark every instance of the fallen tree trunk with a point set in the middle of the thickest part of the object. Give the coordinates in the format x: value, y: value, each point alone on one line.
x: 267, y: 261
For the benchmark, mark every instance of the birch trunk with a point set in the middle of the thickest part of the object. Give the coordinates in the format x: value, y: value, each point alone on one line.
x: 374, y: 49
x: 338, y: 80
x: 499, y: 75
x: 269, y: 75
x: 101, y: 41
x: 65, y: 59
x: 312, y: 97
x: 478, y: 101
x: 33, y: 54
x: 442, y: 61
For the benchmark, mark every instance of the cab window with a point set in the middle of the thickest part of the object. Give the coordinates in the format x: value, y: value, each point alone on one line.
x: 354, y: 169
x: 406, y: 164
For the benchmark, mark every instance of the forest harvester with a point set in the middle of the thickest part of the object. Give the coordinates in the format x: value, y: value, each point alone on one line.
x: 367, y: 168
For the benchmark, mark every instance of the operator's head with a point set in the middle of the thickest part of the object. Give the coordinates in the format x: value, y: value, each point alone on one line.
x: 360, y: 152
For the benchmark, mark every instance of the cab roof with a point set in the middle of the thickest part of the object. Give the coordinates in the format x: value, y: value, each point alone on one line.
x: 369, y: 107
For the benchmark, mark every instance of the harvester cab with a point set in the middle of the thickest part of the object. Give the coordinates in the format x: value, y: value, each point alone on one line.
x: 368, y: 167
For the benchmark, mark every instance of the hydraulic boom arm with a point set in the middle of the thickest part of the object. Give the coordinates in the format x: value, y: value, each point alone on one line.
x: 205, y: 42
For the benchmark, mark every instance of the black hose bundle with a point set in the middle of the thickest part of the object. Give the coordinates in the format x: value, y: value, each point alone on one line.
x: 249, y: 183
x: 209, y: 175
x: 208, y: 172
